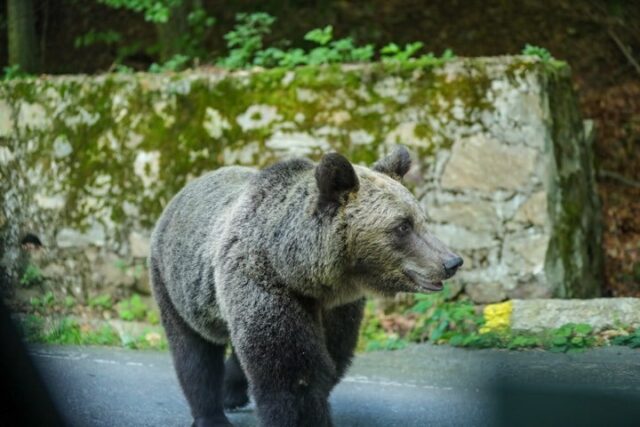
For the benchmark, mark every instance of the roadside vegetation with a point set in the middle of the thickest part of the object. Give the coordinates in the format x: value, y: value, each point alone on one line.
x: 439, y: 318
x: 442, y: 319
x: 71, y: 331
x: 129, y: 322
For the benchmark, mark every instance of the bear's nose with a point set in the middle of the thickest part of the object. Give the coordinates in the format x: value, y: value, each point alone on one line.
x: 451, y: 265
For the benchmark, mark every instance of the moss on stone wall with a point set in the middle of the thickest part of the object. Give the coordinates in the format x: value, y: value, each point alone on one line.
x: 574, y: 260
x: 96, y: 158
x: 106, y: 121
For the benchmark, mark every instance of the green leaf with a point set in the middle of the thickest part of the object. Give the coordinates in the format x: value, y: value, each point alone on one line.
x: 411, y: 48
x: 448, y: 54
x: 564, y: 331
x: 438, y: 331
x: 101, y: 301
x: 421, y: 306
x: 390, y: 49
x: 457, y: 340
x: 559, y: 341
x: 583, y: 329
x: 31, y: 276
x: 540, y: 52
x: 622, y: 340
x: 321, y: 36
x: 577, y: 341
x: 132, y: 309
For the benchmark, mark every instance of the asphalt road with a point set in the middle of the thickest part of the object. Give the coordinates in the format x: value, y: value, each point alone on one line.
x: 420, y: 386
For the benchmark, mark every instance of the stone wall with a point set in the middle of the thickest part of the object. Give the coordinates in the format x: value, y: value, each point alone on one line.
x: 503, y: 162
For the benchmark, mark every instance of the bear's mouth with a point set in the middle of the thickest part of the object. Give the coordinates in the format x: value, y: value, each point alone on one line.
x: 423, y: 282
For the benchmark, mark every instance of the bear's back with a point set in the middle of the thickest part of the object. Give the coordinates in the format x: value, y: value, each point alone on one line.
x: 183, y: 240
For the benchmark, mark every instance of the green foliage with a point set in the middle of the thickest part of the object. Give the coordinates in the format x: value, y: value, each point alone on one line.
x: 523, y: 341
x: 332, y: 51
x: 245, y: 45
x: 442, y: 319
x: 567, y: 339
x: 630, y: 340
x: 540, y: 52
x: 46, y: 301
x: 189, y: 46
x: 392, y: 52
x: 448, y: 54
x: 120, y: 264
x: 122, y: 69
x: 135, y: 269
x: 389, y: 343
x: 106, y: 335
x: 321, y: 36
x: 362, y: 53
x: 156, y: 11
x: 272, y: 56
x: 153, y: 317
x: 246, y: 39
x: 138, y: 270
x: 32, y: 276
x: 477, y: 340
x: 101, y: 301
x: 93, y: 37
x: 13, y: 72
x: 69, y: 302
x: 132, y: 309
x: 373, y: 336
x: 570, y: 338
x: 176, y: 63
x: 144, y: 341
x: 439, y: 319
x: 192, y: 42
x: 67, y: 331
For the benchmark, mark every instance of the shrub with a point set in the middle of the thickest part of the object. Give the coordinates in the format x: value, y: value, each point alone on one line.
x: 132, y: 309
x: 32, y: 275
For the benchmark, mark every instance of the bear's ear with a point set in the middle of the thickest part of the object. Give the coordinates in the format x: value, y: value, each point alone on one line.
x: 396, y: 164
x: 335, y: 178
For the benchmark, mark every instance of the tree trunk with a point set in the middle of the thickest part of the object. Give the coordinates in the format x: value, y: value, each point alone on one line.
x: 23, y: 47
x: 171, y: 34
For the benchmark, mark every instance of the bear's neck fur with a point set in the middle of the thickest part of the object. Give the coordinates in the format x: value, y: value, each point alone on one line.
x: 303, y: 249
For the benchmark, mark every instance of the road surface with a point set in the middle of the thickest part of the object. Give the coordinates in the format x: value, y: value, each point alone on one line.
x: 422, y: 385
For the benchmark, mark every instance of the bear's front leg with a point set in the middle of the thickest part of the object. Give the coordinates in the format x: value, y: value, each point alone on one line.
x: 341, y: 329
x: 281, y: 348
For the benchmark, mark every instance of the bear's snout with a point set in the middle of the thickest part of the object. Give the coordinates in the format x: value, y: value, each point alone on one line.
x: 451, y: 265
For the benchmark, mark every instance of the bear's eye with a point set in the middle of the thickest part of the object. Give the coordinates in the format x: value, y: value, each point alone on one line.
x: 404, y: 228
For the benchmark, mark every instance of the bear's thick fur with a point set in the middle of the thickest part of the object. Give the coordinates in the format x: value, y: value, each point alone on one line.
x: 277, y: 262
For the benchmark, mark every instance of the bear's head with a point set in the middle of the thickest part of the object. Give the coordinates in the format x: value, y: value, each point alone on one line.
x: 388, y: 246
